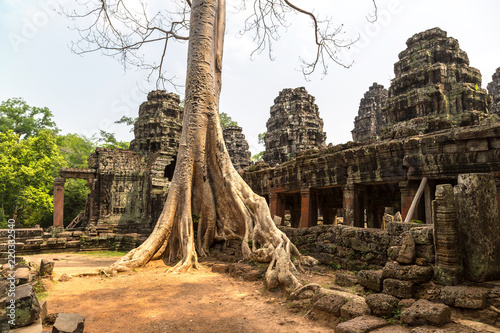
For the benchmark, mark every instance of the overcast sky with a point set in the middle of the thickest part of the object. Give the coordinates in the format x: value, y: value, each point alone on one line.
x: 90, y: 92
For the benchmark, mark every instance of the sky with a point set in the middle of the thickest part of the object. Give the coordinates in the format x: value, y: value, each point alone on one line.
x: 90, y: 92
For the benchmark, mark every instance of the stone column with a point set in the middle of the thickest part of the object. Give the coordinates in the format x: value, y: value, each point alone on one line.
x: 308, y: 209
x: 276, y: 205
x: 58, y: 202
x: 478, y: 225
x: 348, y: 204
x: 448, y: 269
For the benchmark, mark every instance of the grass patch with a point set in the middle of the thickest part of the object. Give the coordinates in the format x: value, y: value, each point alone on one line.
x: 104, y: 254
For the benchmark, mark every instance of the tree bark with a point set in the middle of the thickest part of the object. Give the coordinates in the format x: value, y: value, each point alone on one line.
x: 205, y: 182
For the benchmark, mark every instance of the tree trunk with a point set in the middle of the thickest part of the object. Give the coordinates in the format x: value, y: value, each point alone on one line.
x: 205, y: 182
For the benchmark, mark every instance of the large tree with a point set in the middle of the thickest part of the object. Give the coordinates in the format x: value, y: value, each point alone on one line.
x: 205, y: 183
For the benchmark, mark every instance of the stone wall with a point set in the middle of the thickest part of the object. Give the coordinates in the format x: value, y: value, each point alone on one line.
x: 33, y: 241
x: 355, y: 249
x: 370, y: 118
x: 294, y: 125
x: 434, y: 87
x: 237, y: 146
x: 494, y: 91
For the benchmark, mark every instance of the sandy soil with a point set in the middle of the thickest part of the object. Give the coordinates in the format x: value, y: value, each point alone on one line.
x: 151, y: 300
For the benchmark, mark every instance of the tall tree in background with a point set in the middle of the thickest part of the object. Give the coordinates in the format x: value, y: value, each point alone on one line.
x: 27, y: 170
x: 24, y: 120
x: 205, y: 182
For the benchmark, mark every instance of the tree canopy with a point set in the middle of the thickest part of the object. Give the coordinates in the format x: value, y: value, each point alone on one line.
x: 27, y: 170
x: 24, y: 120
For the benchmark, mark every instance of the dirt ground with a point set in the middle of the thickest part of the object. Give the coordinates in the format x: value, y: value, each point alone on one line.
x: 151, y: 300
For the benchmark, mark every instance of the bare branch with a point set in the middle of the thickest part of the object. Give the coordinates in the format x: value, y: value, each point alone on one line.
x: 269, y: 16
x: 123, y: 30
x: 372, y: 18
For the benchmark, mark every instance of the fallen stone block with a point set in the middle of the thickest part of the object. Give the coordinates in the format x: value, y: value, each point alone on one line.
x: 23, y: 275
x: 46, y: 267
x: 423, y: 312
x: 219, y: 268
x: 361, y: 324
x: 398, y: 288
x: 354, y: 309
x: 27, y: 309
x: 371, y: 280
x: 330, y: 304
x: 465, y: 297
x: 69, y: 323
x: 345, y: 280
x: 381, y: 304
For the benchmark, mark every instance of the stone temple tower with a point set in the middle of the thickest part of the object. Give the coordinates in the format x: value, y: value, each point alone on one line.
x: 237, y: 146
x: 159, y: 124
x: 370, y: 118
x: 294, y: 125
x: 435, y: 84
x: 494, y: 90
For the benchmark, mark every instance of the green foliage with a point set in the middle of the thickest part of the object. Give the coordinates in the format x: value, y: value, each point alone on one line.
x: 257, y: 157
x: 76, y: 149
x: 75, y: 195
x: 417, y: 221
x: 226, y: 120
x: 27, y: 170
x: 108, y: 140
x: 24, y: 120
x: 261, y: 138
x: 129, y: 121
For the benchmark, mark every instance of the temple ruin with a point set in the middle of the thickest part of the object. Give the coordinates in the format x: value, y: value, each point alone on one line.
x: 435, y: 164
x: 294, y: 125
x: 434, y: 88
x: 370, y: 118
x: 494, y: 90
x: 237, y: 146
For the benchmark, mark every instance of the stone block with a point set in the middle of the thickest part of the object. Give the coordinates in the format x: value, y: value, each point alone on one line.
x: 423, y: 312
x: 65, y: 234
x: 46, y: 267
x: 382, y: 304
x: 23, y: 275
x: 69, y: 323
x: 27, y: 308
x: 361, y: 324
x: 398, y: 288
x: 219, y: 268
x: 465, y: 297
x: 371, y: 280
x: 354, y: 309
x: 426, y: 252
x: 330, y: 304
x: 406, y: 254
x: 393, y: 252
x: 412, y: 273
x: 423, y: 235
x: 345, y: 280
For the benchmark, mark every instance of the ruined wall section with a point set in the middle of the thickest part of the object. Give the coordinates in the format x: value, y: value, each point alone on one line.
x: 116, y: 197
x: 294, y: 125
x: 370, y: 118
x: 434, y: 87
x: 237, y: 146
x: 494, y: 91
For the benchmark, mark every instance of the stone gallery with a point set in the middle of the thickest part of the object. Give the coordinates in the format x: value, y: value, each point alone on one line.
x: 411, y: 204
